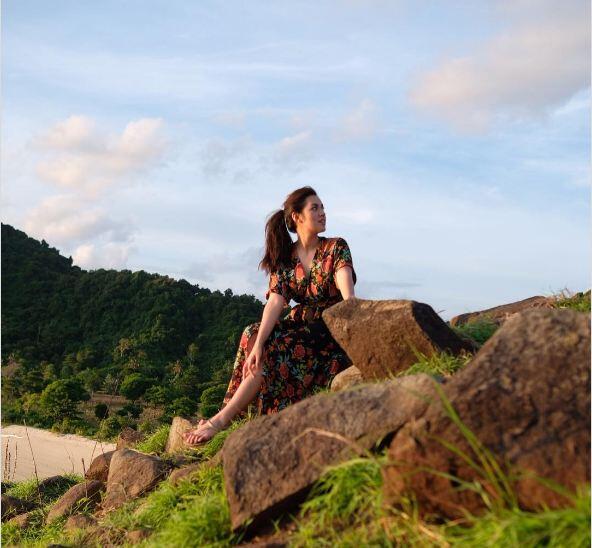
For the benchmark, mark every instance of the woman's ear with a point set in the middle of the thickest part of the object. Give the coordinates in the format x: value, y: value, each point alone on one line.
x: 295, y: 217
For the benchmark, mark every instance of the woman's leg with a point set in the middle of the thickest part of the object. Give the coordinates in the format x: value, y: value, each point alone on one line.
x: 240, y: 394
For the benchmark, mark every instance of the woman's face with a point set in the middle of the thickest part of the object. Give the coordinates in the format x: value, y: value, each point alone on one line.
x: 312, y: 217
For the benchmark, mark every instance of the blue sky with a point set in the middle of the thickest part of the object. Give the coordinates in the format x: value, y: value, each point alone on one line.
x: 449, y: 141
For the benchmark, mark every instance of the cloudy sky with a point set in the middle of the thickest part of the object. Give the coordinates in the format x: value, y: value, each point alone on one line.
x: 449, y: 141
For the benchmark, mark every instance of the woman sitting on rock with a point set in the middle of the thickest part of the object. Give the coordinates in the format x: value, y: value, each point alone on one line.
x: 282, y: 360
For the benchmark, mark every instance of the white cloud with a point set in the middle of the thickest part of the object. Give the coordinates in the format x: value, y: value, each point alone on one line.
x: 109, y: 255
x: 86, y: 161
x: 526, y: 72
x: 359, y: 124
x: 65, y: 221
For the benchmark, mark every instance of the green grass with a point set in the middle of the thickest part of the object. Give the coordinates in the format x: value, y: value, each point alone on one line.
x: 441, y: 364
x: 156, y: 442
x: 575, y: 301
x: 27, y: 490
x: 479, y: 329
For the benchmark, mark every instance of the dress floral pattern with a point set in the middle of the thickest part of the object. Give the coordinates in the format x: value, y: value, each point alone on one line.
x: 300, y: 355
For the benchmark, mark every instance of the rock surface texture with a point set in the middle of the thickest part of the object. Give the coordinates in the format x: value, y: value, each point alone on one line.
x: 347, y: 378
x: 175, y: 441
x: 130, y: 475
x: 499, y: 314
x: 99, y: 467
x: 12, y: 506
x: 526, y: 398
x: 87, y: 492
x: 379, y: 336
x: 271, y: 462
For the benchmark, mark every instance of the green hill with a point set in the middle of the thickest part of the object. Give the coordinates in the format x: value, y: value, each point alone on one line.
x: 146, y: 336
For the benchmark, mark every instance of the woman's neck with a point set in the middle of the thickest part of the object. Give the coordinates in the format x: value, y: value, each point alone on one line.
x: 307, y: 242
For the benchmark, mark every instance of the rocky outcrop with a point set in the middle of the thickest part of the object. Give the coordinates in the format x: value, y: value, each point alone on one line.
x: 499, y: 314
x: 99, y: 467
x: 23, y: 521
x: 382, y: 337
x: 271, y: 462
x: 183, y: 473
x: 13, y: 506
x: 131, y: 474
x: 87, y: 494
x: 347, y: 378
x: 175, y: 440
x: 79, y: 521
x: 128, y: 437
x: 526, y: 398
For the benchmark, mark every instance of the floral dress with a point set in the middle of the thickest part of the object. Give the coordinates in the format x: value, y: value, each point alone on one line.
x: 300, y: 355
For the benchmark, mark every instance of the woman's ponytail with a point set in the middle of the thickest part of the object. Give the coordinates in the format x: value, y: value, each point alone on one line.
x: 278, y: 243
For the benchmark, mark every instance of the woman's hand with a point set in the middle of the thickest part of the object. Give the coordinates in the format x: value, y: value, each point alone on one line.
x: 254, y: 363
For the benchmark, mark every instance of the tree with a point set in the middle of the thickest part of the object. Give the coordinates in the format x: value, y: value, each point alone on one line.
x: 60, y: 399
x: 134, y: 385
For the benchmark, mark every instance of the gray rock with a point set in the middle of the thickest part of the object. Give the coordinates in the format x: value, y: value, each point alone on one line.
x: 382, y: 337
x: 526, y: 398
x: 87, y: 493
x: 130, y: 475
x: 272, y: 461
x: 346, y: 378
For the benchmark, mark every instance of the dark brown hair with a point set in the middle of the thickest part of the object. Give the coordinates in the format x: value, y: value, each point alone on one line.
x: 278, y: 243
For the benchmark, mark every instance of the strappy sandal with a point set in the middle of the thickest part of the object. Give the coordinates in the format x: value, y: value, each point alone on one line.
x: 207, y: 425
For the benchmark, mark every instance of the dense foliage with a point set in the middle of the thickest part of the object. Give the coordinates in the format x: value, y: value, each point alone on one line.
x: 156, y: 341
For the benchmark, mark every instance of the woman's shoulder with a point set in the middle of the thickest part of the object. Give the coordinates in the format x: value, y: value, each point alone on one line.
x: 335, y: 241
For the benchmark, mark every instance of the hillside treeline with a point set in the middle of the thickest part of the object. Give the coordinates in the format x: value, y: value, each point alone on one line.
x: 68, y: 333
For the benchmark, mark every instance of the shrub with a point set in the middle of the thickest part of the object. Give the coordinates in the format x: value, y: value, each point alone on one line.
x: 211, y: 400
x: 133, y: 386
x: 101, y: 411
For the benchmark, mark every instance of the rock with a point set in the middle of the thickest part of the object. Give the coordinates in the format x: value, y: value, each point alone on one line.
x: 499, y: 314
x: 79, y: 521
x: 130, y: 475
x: 183, y: 473
x: 24, y: 520
x: 13, y: 506
x: 380, y: 336
x: 85, y: 493
x: 128, y: 437
x: 526, y: 397
x: 348, y: 377
x: 99, y: 467
x: 136, y: 536
x: 271, y: 462
x: 175, y: 441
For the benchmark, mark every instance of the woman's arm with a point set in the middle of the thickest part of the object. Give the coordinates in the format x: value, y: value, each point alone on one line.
x: 273, y: 308
x: 344, y: 282
x: 271, y: 314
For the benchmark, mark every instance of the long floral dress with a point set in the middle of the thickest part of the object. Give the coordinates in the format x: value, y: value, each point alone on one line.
x: 300, y: 355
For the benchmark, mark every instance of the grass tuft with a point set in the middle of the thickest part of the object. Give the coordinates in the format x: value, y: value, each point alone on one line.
x: 479, y: 329
x: 575, y: 301
x: 442, y: 364
x: 156, y: 442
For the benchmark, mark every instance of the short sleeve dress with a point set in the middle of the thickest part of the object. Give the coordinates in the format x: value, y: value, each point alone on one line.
x: 300, y: 355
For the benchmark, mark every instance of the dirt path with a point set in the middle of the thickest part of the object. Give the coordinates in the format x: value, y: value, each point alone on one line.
x: 53, y: 453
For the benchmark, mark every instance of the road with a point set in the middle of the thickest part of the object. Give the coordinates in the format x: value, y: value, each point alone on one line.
x: 50, y: 453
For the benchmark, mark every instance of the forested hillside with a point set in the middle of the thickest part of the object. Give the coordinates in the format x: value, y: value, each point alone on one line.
x: 68, y: 333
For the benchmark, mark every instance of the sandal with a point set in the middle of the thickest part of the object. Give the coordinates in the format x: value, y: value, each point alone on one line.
x: 192, y: 435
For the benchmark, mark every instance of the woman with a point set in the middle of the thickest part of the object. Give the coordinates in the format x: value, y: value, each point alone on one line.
x: 283, y: 360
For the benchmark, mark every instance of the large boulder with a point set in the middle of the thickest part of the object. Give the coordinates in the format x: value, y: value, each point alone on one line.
x: 99, y: 467
x: 271, y: 462
x: 129, y: 437
x: 346, y: 378
x: 499, y: 314
x: 87, y: 493
x: 13, y: 506
x: 526, y: 399
x: 175, y: 441
x: 130, y: 475
x: 382, y: 337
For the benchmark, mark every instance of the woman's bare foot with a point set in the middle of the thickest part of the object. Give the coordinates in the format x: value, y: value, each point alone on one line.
x: 206, y: 430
